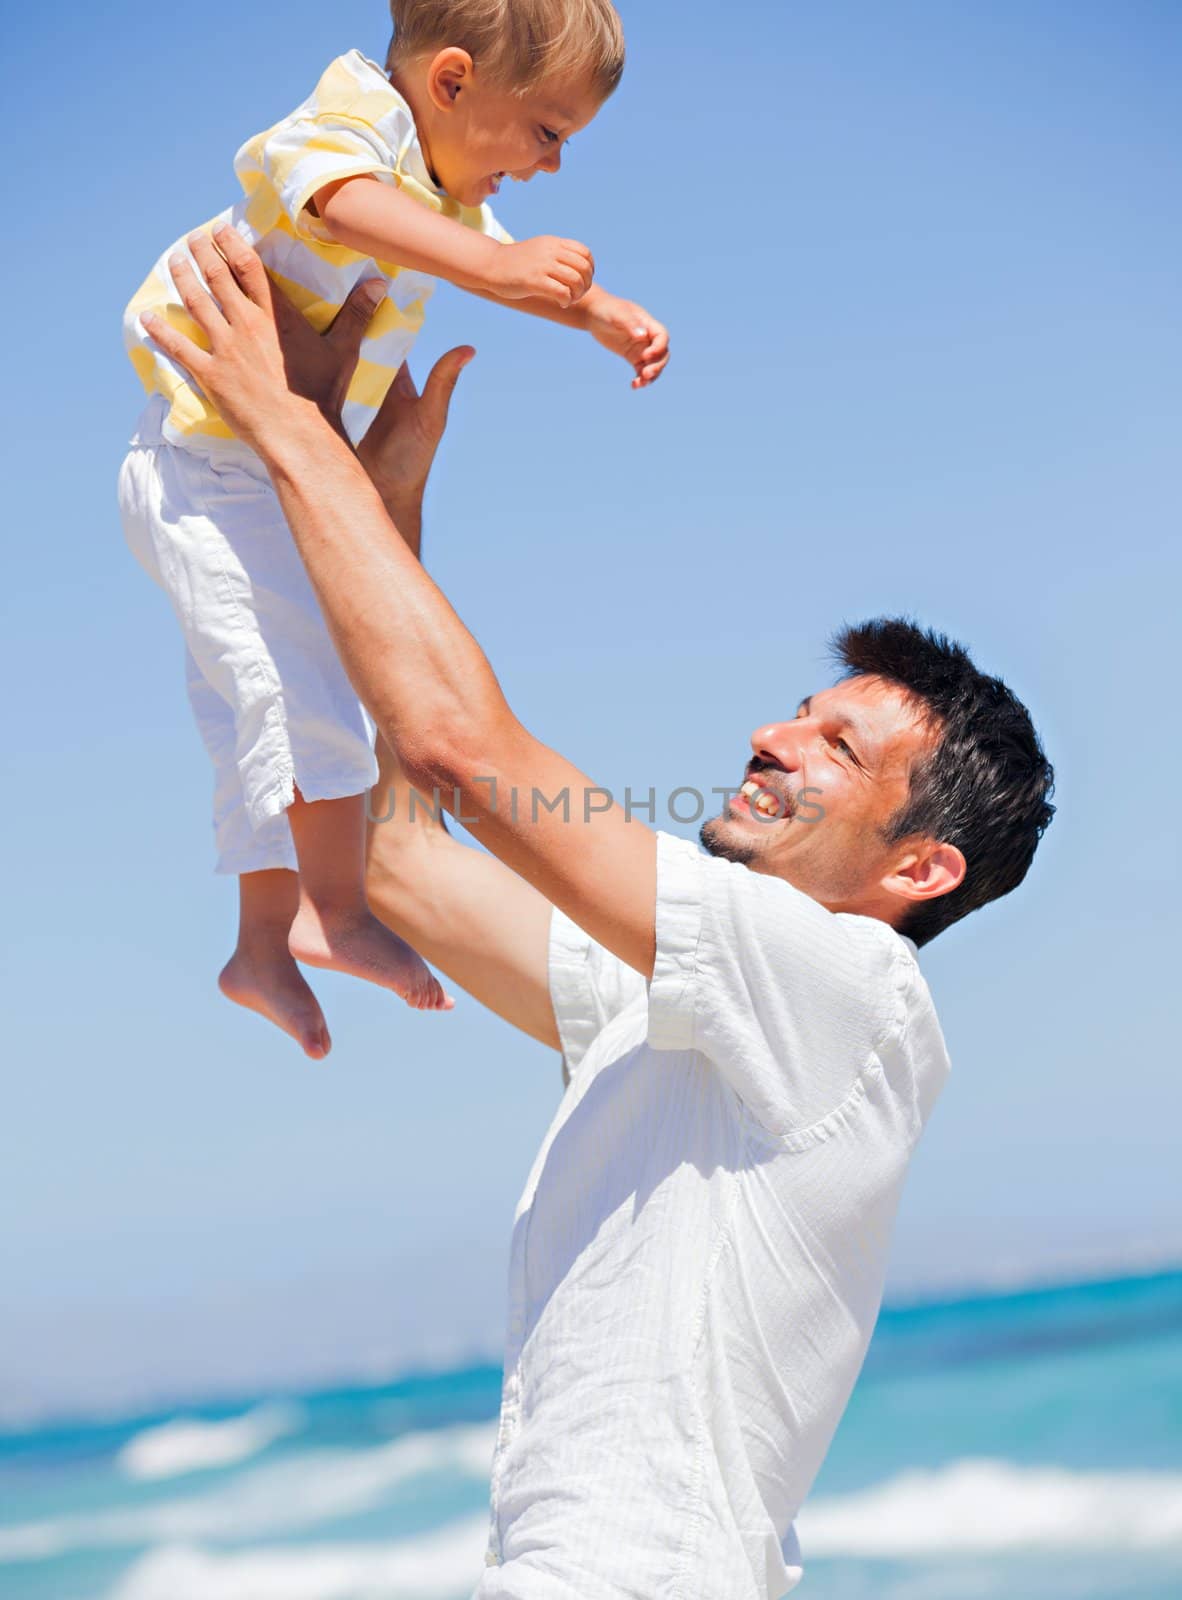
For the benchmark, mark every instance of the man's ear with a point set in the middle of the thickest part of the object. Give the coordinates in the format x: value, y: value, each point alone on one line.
x: 448, y: 75
x: 926, y: 872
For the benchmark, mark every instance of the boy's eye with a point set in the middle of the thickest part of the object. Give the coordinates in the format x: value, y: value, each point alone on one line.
x: 549, y: 136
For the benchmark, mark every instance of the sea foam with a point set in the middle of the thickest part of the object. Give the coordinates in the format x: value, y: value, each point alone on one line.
x: 282, y: 1498
x: 185, y: 1445
x: 436, y: 1566
x: 971, y: 1506
x: 968, y: 1507
x: 990, y: 1506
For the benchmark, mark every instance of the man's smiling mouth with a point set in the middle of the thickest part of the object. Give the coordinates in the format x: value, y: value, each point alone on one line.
x: 761, y: 797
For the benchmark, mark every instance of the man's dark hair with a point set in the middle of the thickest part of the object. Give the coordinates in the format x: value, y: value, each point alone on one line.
x: 985, y: 786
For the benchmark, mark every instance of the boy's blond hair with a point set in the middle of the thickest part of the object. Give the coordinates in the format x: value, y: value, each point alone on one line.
x: 516, y: 42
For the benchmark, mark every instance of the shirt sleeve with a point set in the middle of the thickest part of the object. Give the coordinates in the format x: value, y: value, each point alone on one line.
x: 588, y: 987
x: 788, y: 1000
x: 304, y: 153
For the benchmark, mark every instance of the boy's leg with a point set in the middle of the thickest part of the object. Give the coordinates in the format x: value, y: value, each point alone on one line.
x: 261, y: 973
x: 216, y: 540
x: 333, y: 926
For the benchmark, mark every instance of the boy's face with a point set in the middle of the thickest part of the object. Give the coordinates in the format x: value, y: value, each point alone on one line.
x: 480, y: 133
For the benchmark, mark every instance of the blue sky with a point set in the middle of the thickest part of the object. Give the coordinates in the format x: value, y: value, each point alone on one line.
x: 920, y: 264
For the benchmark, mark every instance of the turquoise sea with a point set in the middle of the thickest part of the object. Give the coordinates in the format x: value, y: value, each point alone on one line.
x: 1021, y: 1444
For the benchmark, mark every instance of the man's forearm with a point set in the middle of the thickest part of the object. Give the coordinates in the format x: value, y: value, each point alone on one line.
x: 423, y: 676
x: 404, y: 507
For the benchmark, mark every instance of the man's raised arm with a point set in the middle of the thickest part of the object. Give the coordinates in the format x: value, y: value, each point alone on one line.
x: 425, y: 679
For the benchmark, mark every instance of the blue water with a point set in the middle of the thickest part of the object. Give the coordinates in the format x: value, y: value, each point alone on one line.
x: 1026, y: 1445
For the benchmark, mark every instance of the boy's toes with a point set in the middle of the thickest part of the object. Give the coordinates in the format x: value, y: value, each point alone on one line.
x: 431, y: 997
x: 316, y: 1040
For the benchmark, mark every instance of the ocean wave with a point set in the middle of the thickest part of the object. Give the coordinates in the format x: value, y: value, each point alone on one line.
x: 985, y: 1506
x: 283, y: 1498
x: 437, y: 1566
x: 187, y: 1445
x: 971, y: 1507
x: 979, y: 1507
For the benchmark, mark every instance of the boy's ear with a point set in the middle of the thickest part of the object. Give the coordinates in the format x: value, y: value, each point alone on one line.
x: 448, y: 75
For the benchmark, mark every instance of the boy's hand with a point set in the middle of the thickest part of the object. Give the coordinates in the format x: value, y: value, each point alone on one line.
x: 558, y: 271
x: 628, y: 330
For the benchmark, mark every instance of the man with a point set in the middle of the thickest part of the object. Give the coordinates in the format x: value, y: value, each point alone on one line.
x: 699, y: 1254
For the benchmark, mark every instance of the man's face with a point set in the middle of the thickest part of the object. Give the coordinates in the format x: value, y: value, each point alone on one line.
x: 490, y: 134
x: 821, y: 789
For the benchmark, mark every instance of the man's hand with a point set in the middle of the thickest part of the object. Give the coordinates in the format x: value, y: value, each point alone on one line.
x: 320, y: 366
x: 556, y: 271
x: 628, y: 330
x: 271, y: 337
x: 400, y: 445
x: 243, y: 371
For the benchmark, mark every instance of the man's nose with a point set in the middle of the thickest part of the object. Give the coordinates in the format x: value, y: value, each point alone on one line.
x: 778, y: 744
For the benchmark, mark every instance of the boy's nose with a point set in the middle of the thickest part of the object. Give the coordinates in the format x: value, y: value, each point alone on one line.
x: 552, y: 160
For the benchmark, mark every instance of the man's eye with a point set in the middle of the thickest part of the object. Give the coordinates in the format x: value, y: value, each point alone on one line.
x: 841, y: 745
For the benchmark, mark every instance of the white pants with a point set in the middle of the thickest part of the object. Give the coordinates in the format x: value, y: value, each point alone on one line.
x: 271, y: 699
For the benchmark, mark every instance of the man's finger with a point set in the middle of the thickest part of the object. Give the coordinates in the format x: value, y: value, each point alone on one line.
x: 195, y: 298
x: 351, y: 322
x: 444, y: 375
x: 404, y: 385
x: 176, y: 345
x: 218, y: 277
x: 248, y: 270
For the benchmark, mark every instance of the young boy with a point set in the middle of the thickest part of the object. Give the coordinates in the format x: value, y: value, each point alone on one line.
x: 377, y: 174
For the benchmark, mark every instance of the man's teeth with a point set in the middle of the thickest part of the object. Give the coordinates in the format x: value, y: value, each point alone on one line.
x: 761, y: 799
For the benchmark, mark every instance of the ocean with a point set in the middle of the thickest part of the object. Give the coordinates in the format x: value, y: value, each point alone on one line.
x: 1025, y: 1444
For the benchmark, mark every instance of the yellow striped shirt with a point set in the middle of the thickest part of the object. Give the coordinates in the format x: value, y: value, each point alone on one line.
x: 354, y: 122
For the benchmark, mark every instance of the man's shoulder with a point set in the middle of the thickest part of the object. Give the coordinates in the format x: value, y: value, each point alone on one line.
x: 747, y: 893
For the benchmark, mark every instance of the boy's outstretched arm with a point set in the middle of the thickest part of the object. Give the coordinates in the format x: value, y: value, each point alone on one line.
x: 621, y: 326
x: 546, y: 276
x: 384, y: 223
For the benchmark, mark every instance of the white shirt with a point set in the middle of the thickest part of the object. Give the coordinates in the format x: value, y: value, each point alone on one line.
x: 699, y: 1254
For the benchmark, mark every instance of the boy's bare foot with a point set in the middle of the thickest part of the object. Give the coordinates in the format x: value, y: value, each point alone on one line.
x: 264, y: 978
x: 352, y: 940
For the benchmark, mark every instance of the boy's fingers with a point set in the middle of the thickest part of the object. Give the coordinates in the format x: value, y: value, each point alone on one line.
x: 577, y: 255
x: 194, y: 297
x: 560, y: 291
x: 246, y: 266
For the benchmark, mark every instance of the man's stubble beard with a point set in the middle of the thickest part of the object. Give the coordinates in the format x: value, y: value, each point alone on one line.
x: 715, y: 837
